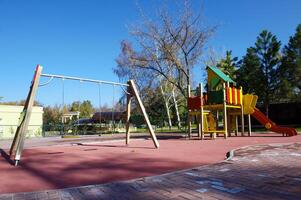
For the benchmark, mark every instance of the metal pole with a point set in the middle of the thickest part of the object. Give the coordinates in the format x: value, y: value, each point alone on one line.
x: 99, y: 104
x: 83, y: 79
x: 63, y: 106
x: 113, y: 110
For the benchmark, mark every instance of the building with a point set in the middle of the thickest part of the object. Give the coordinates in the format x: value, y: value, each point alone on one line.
x: 9, y: 120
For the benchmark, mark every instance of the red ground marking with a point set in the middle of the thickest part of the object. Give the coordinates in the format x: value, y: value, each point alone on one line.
x: 60, y: 166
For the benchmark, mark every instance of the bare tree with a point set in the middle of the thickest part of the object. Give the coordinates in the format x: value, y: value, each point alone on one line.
x: 213, y: 56
x: 176, y: 105
x: 166, y: 99
x: 168, y: 46
x: 171, y: 100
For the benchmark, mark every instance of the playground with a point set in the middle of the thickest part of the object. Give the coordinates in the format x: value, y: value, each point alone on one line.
x: 64, y: 163
x: 149, y: 100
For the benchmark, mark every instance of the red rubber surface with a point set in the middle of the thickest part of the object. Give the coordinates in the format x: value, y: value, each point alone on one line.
x: 60, y: 166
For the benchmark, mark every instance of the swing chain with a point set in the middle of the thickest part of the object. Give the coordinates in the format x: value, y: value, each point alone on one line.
x: 44, y: 84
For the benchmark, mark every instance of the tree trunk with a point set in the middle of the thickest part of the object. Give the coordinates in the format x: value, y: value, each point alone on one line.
x: 176, y: 108
x: 167, y: 108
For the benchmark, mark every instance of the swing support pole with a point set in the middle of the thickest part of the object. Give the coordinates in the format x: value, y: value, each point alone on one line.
x: 133, y: 90
x: 17, y: 145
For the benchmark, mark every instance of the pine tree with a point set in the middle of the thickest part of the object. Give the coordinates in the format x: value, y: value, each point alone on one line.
x: 290, y: 69
x: 260, y: 68
x: 228, y: 65
x: 249, y: 73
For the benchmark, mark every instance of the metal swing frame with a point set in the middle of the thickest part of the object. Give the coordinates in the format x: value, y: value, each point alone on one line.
x: 17, y: 145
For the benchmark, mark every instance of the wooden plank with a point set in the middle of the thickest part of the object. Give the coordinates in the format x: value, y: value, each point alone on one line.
x: 213, y: 107
x: 215, y: 131
x: 198, y: 112
x: 128, y: 116
x: 18, y: 142
x: 142, y: 108
x: 231, y: 106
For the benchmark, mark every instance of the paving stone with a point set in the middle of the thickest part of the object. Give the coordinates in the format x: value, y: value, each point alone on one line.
x: 6, y: 197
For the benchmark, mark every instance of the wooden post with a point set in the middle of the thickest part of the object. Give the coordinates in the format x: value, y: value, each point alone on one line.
x: 128, y: 115
x: 188, y: 117
x: 18, y: 142
x: 225, y: 111
x: 249, y: 125
x: 198, y: 120
x: 229, y: 124
x: 189, y: 124
x: 217, y: 119
x: 236, y: 125
x: 142, y: 108
x: 201, y: 123
x: 242, y: 116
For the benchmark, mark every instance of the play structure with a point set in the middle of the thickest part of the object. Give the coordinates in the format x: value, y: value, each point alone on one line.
x: 217, y: 112
x: 20, y: 135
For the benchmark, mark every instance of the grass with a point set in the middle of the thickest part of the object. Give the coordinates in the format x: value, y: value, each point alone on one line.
x: 174, y: 129
x: 70, y: 136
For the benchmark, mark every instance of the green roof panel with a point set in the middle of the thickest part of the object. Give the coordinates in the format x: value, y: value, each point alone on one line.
x: 221, y: 74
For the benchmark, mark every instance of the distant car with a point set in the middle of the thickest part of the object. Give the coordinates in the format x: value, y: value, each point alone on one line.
x: 108, y: 116
x: 83, y: 121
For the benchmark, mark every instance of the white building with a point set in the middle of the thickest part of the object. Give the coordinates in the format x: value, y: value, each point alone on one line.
x: 9, y: 120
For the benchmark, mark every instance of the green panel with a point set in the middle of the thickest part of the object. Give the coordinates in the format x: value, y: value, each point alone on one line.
x: 216, y: 97
x: 214, y: 82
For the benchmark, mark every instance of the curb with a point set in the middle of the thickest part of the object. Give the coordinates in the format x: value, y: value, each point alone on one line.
x: 230, y: 155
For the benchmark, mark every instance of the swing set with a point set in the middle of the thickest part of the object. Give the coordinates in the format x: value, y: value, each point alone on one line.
x: 131, y: 91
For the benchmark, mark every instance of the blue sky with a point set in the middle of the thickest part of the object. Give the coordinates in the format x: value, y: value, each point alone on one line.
x: 82, y: 38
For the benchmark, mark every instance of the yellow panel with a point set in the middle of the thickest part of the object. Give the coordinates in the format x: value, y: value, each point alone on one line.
x: 211, y: 121
x: 235, y: 96
x: 249, y: 102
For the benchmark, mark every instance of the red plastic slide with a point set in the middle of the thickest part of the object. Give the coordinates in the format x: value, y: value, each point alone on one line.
x: 271, y: 125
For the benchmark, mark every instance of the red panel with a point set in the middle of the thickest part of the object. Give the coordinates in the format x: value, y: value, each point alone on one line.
x: 238, y: 97
x: 194, y: 103
x: 233, y: 95
x: 228, y: 95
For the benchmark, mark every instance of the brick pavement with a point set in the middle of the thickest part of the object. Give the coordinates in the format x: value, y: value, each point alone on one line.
x: 255, y: 172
